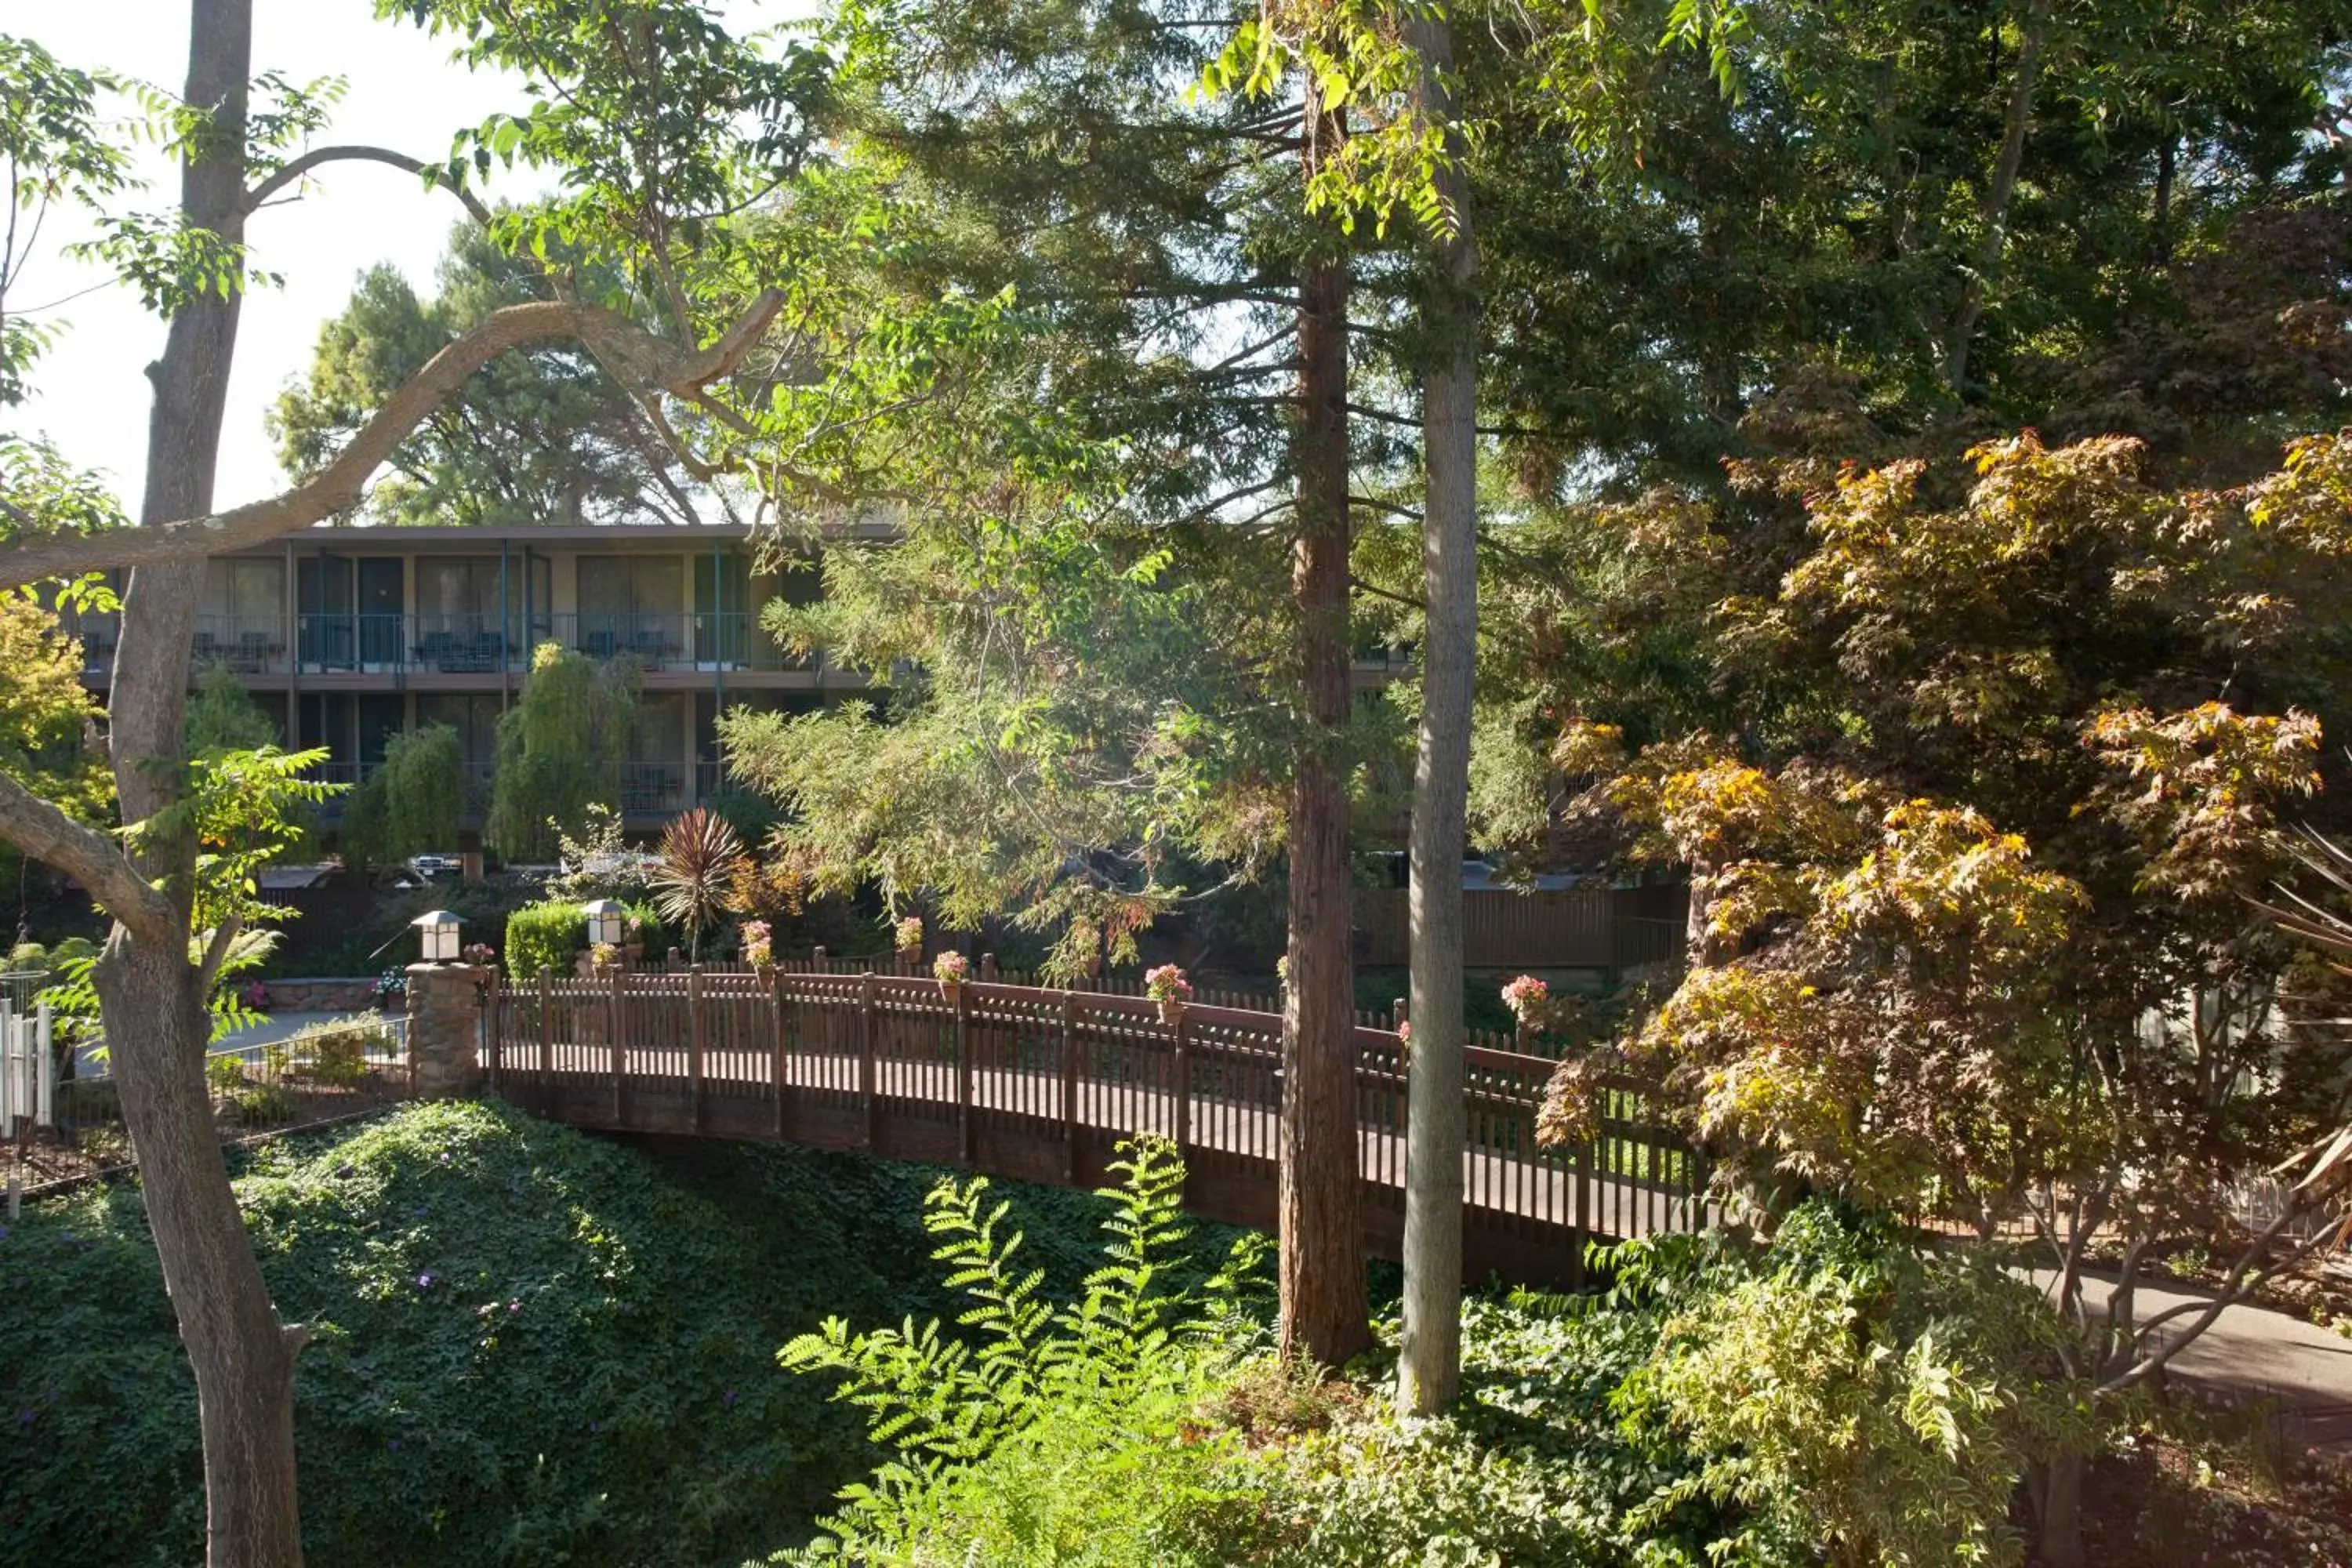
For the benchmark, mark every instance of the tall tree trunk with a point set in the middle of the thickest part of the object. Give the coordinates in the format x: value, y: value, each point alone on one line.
x: 2018, y: 118
x: 1429, y: 1370
x: 150, y: 996
x: 1324, y: 1316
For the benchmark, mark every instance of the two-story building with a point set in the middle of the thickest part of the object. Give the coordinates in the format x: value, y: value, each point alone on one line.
x: 348, y: 636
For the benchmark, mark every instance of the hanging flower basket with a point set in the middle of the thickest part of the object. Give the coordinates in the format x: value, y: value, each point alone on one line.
x: 1167, y: 986
x: 951, y: 970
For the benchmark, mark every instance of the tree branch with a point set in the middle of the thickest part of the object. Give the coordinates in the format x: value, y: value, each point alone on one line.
x: 217, y: 951
x: 90, y: 856
x: 639, y: 357
x: 296, y: 168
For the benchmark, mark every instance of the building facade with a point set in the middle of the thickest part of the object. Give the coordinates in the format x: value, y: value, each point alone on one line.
x: 348, y: 635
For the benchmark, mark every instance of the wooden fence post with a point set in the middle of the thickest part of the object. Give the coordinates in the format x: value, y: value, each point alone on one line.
x: 1583, y: 1178
x: 1069, y: 1090
x: 546, y: 1040
x: 776, y: 1005
x: 620, y: 1064
x: 869, y: 1079
x: 987, y: 968
x: 694, y: 1011
x: 817, y: 961
x: 1183, y: 1080
x: 963, y: 1072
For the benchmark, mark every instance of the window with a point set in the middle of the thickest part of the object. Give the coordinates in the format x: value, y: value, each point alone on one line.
x: 240, y: 619
x: 242, y: 593
x: 633, y: 604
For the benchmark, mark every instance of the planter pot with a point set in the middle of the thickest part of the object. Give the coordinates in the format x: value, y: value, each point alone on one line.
x: 947, y: 990
x: 1171, y: 1011
x: 766, y: 972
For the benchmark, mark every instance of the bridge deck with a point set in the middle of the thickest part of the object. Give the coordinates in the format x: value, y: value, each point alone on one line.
x: 1042, y: 1086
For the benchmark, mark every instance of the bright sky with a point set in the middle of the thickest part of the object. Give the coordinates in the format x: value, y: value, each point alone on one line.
x: 405, y: 93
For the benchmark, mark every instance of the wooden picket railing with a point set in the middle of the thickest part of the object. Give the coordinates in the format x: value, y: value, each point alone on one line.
x: 1041, y: 1085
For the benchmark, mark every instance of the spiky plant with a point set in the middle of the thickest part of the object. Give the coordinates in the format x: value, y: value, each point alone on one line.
x: 701, y: 861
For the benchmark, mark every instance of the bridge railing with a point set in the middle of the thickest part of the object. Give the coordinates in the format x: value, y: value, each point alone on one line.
x: 1042, y: 1084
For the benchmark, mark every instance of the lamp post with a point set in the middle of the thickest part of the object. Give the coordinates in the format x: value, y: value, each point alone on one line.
x: 607, y: 921
x: 445, y: 1011
x: 437, y: 936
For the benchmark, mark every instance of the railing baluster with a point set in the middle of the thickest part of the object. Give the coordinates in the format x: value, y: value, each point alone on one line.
x: 619, y: 1064
x: 546, y: 1038
x: 694, y: 1021
x: 869, y: 1082
x: 1069, y: 1090
x: 964, y: 1071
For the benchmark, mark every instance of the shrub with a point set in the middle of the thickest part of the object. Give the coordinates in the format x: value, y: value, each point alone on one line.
x: 543, y: 935
x: 413, y: 803
x: 263, y: 1105
x: 589, y: 1378
x: 335, y: 1054
x: 225, y: 1073
x: 1048, y: 1435
x: 1854, y: 1397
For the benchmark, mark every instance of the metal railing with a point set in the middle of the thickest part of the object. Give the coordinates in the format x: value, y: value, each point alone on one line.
x: 468, y: 644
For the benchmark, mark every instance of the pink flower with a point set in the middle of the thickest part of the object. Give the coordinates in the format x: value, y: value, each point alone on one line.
x: 1526, y: 998
x: 952, y: 968
x: 1166, y: 983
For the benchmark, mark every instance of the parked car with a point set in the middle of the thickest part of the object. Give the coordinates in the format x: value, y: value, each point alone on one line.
x: 427, y: 866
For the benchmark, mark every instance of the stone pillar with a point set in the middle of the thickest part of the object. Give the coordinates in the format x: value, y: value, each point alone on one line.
x: 444, y: 1028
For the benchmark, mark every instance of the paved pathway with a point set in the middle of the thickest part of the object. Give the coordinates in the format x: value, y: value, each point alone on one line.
x: 2255, y: 1351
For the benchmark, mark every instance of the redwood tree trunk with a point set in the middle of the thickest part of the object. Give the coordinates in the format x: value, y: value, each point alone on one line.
x: 1429, y: 1369
x: 1324, y: 1316
x: 152, y: 998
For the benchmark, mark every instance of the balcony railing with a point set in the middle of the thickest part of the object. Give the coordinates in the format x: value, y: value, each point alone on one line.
x: 457, y: 644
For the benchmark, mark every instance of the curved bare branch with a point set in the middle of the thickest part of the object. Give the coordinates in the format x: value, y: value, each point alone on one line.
x: 296, y: 168
x: 90, y: 856
x: 640, y: 359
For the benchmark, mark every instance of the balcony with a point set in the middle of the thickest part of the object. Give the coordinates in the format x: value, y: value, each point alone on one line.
x: 456, y: 645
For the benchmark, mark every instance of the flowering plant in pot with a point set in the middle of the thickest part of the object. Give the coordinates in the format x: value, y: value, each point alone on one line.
x: 1530, y: 1000
x: 1167, y: 986
x: 758, y: 945
x: 603, y: 956
x: 906, y: 937
x: 951, y: 969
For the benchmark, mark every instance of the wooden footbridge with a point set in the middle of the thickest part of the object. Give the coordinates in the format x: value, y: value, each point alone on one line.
x: 1041, y: 1086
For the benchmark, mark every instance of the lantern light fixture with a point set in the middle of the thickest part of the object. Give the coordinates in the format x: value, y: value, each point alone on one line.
x: 437, y: 936
x: 606, y: 920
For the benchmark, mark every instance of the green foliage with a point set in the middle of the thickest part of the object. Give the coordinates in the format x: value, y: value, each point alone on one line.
x: 543, y: 936
x: 560, y: 750
x: 334, y: 1052
x: 225, y: 1074
x: 599, y: 863
x: 56, y: 152
x: 268, y: 1104
x: 981, y: 1425
x: 1850, y: 1396
x: 44, y: 712
x: 222, y: 716
x: 413, y: 804
x: 587, y: 1377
